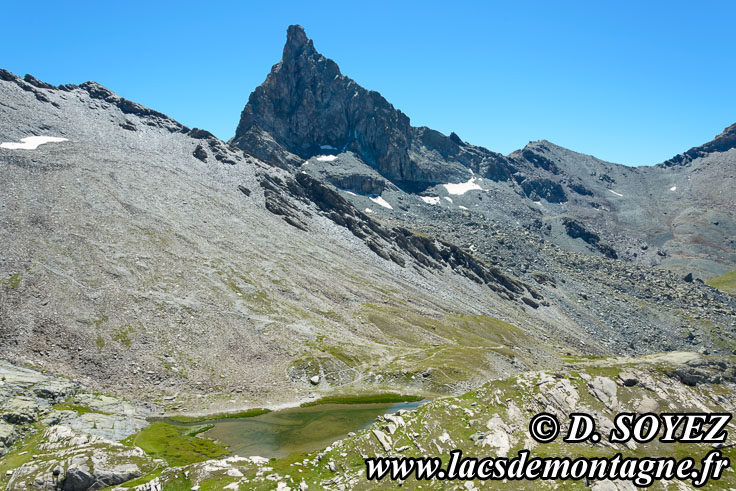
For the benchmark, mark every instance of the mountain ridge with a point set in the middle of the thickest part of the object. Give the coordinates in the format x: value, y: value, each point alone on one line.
x: 300, y: 48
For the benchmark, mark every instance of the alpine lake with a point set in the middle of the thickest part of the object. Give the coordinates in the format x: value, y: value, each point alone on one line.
x: 278, y: 434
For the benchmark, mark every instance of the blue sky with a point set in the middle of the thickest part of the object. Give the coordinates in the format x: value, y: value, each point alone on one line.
x: 629, y: 82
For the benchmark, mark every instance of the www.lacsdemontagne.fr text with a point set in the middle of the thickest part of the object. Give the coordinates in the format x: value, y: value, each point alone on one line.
x: 642, y: 471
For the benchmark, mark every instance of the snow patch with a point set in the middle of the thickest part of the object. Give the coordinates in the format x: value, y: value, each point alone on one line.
x: 462, y: 207
x: 380, y: 201
x: 368, y: 210
x: 448, y: 199
x: 351, y: 193
x: 430, y: 200
x: 463, y: 187
x: 327, y: 147
x: 31, y: 142
x: 617, y: 194
x: 673, y: 188
x: 327, y: 158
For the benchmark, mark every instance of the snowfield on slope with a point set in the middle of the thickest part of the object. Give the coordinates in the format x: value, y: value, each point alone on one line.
x: 31, y: 142
x: 380, y: 201
x: 462, y: 187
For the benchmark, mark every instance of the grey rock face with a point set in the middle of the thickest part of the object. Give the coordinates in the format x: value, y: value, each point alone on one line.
x: 306, y: 105
x: 72, y: 461
x: 706, y: 371
x: 78, y: 479
x: 721, y: 143
x: 19, y: 410
x: 55, y: 390
x: 8, y: 435
x: 347, y: 172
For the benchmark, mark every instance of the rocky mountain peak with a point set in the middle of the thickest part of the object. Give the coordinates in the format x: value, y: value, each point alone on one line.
x: 306, y: 107
x: 297, y: 43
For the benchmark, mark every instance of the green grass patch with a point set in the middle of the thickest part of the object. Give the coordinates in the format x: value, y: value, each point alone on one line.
x: 14, y: 281
x: 248, y: 413
x: 726, y: 282
x: 143, y: 479
x: 123, y: 335
x: 177, y: 445
x: 364, y: 399
x: 20, y: 453
x: 179, y: 483
x: 77, y: 408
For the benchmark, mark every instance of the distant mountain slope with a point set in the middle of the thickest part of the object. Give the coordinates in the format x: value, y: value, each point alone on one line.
x: 682, y: 217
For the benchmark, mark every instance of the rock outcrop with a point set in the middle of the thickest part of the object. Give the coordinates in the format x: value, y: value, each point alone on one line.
x: 721, y: 143
x: 71, y: 461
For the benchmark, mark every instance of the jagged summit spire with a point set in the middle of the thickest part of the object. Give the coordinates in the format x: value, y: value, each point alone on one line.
x: 306, y: 107
x: 297, y: 42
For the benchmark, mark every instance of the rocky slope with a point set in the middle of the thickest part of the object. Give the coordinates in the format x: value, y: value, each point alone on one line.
x: 619, y: 250
x: 138, y: 248
x: 140, y: 256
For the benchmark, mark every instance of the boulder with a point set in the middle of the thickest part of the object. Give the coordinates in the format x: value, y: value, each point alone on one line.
x: 383, y: 439
x: 497, y: 436
x: 647, y: 405
x: 604, y: 389
x: 628, y: 378
x: 78, y: 479
x: 200, y: 153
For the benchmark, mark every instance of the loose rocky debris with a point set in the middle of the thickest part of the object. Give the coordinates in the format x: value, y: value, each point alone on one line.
x: 392, y: 244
